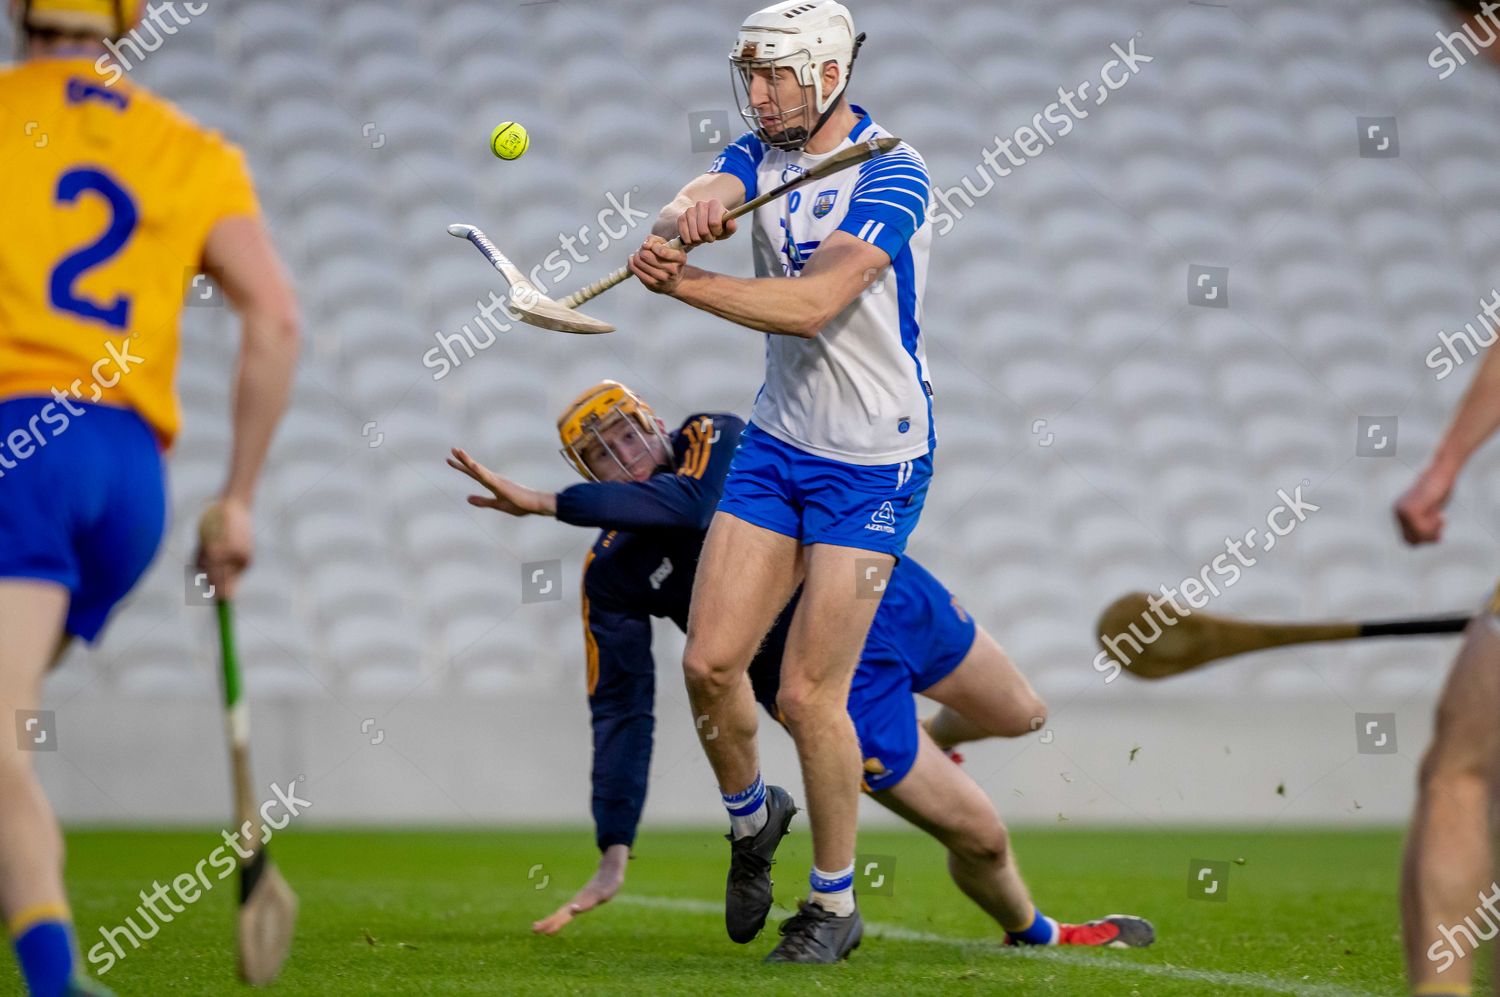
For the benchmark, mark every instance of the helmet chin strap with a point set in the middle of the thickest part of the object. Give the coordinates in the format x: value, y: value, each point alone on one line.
x: 822, y: 120
x: 796, y: 139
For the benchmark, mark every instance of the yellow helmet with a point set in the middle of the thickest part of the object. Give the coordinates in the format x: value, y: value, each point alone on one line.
x: 106, y: 18
x: 594, y: 409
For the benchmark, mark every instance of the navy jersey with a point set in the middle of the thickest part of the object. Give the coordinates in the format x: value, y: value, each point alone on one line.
x: 643, y: 565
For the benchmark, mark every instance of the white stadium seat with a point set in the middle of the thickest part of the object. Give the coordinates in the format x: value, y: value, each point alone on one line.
x: 278, y: 27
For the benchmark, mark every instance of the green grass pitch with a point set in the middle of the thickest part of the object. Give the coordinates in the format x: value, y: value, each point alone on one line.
x: 450, y: 912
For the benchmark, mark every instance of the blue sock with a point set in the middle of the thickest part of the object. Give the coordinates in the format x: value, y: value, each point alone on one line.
x: 1041, y: 931
x: 833, y: 890
x: 831, y: 882
x: 45, y: 952
x: 747, y: 809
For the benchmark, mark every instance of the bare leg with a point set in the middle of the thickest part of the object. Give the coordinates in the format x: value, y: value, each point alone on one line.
x: 31, y: 845
x: 827, y: 635
x: 986, y: 696
x: 746, y: 576
x: 1449, y: 860
x: 940, y: 798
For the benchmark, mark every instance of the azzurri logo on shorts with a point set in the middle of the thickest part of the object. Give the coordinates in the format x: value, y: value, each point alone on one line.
x: 883, y: 520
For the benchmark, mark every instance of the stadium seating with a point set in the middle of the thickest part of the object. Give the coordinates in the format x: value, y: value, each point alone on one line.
x: 1060, y: 296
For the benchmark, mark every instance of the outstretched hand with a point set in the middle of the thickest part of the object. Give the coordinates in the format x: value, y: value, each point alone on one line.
x: 504, y: 494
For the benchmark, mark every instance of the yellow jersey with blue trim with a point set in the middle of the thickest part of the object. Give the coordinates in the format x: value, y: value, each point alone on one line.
x: 110, y: 196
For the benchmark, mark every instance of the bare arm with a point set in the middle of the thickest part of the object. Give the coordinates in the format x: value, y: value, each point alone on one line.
x: 721, y: 187
x: 1477, y: 418
x: 241, y: 259
x: 1420, y: 510
x: 838, y: 272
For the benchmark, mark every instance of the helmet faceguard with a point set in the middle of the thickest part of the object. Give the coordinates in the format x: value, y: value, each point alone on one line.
x: 598, y: 411
x: 803, y: 37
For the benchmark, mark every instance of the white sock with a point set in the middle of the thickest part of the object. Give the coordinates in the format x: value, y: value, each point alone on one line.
x: 747, y: 809
x: 833, y: 891
x: 751, y: 823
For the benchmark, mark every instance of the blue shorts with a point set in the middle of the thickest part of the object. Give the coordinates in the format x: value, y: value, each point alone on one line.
x: 82, y: 502
x: 919, y: 636
x: 815, y: 500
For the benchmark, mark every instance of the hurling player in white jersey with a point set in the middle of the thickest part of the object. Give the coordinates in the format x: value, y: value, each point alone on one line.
x: 828, y: 479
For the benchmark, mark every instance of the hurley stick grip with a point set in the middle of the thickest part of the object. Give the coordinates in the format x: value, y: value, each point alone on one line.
x: 488, y: 248
x: 604, y: 284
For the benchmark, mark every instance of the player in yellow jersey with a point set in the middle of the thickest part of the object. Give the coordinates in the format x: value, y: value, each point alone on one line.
x: 112, y: 198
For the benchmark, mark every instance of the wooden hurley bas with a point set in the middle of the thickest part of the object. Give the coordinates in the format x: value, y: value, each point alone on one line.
x: 1200, y: 638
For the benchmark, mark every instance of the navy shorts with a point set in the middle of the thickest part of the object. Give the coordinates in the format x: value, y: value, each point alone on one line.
x: 781, y: 488
x: 919, y: 636
x: 82, y: 502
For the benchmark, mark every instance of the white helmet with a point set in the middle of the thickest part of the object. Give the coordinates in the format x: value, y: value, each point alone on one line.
x: 803, y: 35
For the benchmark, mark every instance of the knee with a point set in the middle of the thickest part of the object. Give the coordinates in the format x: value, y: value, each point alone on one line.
x: 1035, y: 710
x: 706, y: 673
x: 1457, y: 774
x: 23, y: 799
x: 16, y: 772
x: 1450, y: 770
x: 981, y: 843
x: 1026, y: 714
x: 806, y: 705
x: 1038, y: 707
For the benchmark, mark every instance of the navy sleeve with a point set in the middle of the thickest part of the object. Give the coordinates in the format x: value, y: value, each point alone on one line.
x: 622, y: 688
x: 684, y: 500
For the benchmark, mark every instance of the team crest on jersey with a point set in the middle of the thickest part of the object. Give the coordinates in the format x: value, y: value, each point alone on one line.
x: 883, y: 520
x: 824, y: 202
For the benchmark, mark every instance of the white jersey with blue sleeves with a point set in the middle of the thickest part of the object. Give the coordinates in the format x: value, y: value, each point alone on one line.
x: 858, y: 392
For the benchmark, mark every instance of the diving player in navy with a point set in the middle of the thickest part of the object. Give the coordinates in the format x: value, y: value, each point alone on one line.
x: 653, y: 495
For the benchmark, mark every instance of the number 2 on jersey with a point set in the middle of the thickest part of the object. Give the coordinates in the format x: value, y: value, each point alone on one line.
x: 123, y: 218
